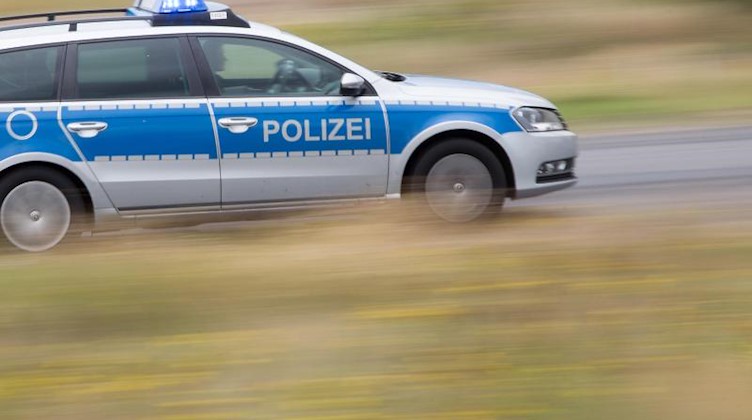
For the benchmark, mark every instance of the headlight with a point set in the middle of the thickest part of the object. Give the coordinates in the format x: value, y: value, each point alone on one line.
x: 539, y: 120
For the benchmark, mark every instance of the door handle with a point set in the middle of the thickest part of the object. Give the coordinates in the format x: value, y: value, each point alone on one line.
x: 238, y: 125
x: 87, y: 130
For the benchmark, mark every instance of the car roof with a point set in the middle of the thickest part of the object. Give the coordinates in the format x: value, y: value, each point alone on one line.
x: 60, y: 33
x: 146, y: 17
x: 56, y: 32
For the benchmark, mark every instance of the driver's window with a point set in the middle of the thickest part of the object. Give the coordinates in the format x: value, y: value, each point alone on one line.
x: 245, y: 67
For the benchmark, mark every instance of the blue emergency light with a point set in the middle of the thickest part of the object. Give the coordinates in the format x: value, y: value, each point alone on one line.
x: 172, y: 6
x: 186, y: 13
x: 182, y: 6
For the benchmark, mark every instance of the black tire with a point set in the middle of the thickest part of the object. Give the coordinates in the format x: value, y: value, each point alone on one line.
x: 489, y: 203
x: 79, y: 217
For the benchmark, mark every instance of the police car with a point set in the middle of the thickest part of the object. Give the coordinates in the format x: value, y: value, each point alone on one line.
x: 182, y: 108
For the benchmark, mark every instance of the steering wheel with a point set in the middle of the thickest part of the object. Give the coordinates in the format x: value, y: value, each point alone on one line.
x: 288, y: 78
x: 332, y: 88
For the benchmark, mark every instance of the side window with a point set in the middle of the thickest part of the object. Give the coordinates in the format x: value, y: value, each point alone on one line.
x: 250, y: 67
x: 133, y: 69
x: 29, y: 75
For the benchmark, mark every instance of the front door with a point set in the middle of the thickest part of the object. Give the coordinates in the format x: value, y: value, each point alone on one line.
x: 285, y: 132
x: 134, y: 111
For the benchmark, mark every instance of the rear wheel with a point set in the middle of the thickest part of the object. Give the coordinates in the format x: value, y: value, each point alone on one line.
x: 460, y: 180
x: 40, y: 207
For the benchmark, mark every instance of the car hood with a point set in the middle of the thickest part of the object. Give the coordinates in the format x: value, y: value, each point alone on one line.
x: 438, y: 88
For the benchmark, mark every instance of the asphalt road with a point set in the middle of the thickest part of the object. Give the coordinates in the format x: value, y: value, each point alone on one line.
x: 701, y: 167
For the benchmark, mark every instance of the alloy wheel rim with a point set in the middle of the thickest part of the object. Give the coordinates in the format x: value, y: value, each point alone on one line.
x: 35, y: 216
x: 459, y: 188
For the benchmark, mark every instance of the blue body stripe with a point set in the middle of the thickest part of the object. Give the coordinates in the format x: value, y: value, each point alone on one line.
x: 188, y: 130
x: 317, y: 133
x: 142, y: 132
x: 48, y: 137
x: 407, y: 121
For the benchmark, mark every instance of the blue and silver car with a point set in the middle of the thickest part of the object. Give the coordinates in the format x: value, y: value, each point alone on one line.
x: 177, y: 108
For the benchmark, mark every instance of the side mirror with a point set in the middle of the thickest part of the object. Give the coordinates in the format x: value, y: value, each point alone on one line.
x: 352, y: 85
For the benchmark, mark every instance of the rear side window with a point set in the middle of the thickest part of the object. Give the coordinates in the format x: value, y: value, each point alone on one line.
x: 29, y: 75
x: 134, y: 69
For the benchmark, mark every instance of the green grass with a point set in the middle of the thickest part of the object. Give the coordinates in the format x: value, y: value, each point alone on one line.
x: 614, y: 60
x: 672, y: 104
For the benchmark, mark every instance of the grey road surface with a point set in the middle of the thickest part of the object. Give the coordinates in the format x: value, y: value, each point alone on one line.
x: 669, y: 169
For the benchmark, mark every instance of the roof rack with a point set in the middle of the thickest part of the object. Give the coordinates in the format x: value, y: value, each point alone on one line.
x: 51, y: 17
x: 208, y: 18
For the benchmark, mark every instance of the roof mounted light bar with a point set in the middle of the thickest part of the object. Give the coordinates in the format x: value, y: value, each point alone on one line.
x: 187, y: 13
x: 171, y: 6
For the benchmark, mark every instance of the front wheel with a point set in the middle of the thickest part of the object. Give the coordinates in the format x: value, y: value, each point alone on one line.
x: 39, y: 209
x: 460, y: 180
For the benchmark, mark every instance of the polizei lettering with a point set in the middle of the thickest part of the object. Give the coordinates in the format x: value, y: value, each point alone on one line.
x: 334, y: 129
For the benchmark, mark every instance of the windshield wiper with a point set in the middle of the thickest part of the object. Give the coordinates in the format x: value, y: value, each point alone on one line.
x: 392, y: 77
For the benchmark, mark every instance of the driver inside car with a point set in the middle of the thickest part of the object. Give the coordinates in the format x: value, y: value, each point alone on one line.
x: 285, y: 77
x: 290, y: 78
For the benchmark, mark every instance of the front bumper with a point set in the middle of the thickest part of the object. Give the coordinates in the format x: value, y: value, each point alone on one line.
x: 528, y: 151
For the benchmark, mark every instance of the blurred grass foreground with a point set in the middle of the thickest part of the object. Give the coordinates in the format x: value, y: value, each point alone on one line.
x: 540, y: 315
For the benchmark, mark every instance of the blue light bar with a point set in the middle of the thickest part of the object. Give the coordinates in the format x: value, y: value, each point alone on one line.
x: 187, y: 13
x: 182, y: 6
x: 172, y: 6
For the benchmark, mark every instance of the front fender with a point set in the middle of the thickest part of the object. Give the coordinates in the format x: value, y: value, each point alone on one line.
x: 398, y: 162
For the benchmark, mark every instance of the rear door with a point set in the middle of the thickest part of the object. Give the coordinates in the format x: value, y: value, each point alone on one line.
x: 137, y: 112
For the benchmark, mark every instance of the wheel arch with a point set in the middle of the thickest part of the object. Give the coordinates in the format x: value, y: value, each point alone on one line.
x: 10, y: 167
x: 472, y: 131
